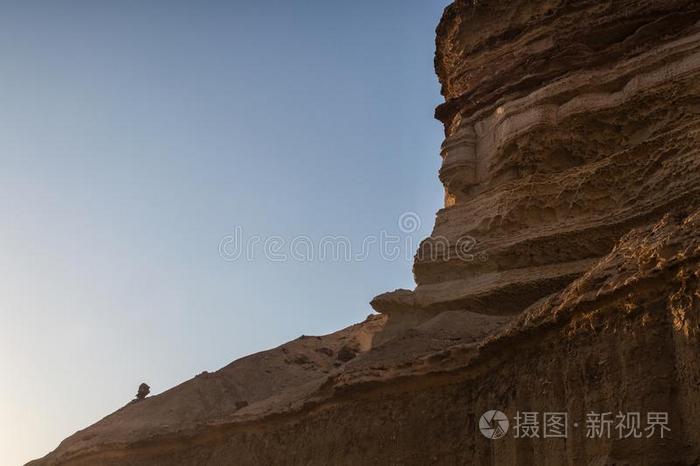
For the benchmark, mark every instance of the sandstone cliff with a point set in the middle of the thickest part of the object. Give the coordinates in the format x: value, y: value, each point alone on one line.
x: 562, y: 275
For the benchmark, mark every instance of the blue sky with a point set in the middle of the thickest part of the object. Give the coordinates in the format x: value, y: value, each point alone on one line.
x: 135, y: 136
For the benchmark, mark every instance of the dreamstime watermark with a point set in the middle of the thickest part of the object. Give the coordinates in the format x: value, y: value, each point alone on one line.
x: 388, y: 246
x: 494, y: 424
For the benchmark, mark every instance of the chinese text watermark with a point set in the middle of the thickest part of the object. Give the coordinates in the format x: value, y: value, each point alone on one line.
x: 494, y: 424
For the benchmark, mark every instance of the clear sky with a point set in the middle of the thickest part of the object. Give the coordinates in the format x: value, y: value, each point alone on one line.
x: 136, y: 135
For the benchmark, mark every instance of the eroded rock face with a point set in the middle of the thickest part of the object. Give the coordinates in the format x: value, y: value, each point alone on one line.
x: 567, y: 124
x: 562, y: 275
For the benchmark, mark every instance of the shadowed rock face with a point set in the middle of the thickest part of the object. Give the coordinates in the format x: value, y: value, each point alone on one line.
x: 561, y: 276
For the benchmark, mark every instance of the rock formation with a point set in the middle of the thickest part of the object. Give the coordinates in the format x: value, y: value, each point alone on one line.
x: 561, y: 276
x: 143, y: 392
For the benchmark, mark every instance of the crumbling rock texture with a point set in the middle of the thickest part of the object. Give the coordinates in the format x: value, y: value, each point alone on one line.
x: 562, y: 274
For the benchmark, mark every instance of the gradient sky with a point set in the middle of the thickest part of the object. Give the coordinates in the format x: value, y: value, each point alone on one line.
x: 135, y: 135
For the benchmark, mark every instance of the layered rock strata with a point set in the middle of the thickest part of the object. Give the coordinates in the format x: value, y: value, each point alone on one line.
x: 566, y: 125
x: 562, y: 274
